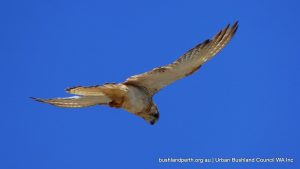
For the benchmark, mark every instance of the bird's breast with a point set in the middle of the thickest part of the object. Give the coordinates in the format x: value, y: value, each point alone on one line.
x: 136, y: 100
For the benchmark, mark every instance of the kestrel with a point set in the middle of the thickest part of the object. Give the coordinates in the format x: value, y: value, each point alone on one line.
x: 136, y: 94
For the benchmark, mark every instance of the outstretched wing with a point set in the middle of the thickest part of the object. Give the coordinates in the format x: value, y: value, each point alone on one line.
x: 109, y: 89
x: 76, y: 101
x: 186, y: 65
x: 108, y: 94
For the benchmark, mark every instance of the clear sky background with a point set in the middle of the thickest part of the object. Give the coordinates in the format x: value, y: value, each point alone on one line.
x: 243, y: 103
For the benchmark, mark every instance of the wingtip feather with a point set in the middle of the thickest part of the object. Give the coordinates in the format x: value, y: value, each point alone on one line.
x: 69, y: 89
x: 37, y: 99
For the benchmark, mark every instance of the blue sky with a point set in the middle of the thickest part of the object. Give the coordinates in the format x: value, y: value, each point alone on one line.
x: 243, y: 103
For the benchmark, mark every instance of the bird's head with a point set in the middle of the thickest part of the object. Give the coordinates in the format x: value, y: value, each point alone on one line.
x: 152, y: 115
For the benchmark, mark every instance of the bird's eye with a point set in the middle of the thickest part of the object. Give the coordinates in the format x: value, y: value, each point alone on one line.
x: 156, y: 115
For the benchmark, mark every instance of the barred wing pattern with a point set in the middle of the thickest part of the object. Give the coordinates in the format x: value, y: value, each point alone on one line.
x: 75, y: 101
x: 186, y: 65
x: 108, y: 94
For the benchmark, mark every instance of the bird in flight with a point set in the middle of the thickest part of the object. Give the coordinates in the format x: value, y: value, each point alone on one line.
x: 136, y: 94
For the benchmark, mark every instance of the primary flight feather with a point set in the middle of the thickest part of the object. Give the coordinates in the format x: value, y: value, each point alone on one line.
x: 136, y: 93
